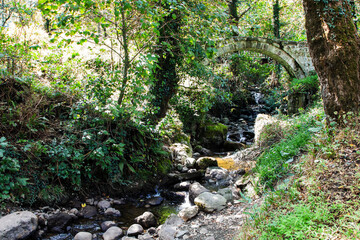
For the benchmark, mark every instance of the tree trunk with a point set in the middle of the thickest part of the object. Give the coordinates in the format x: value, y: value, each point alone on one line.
x: 166, y: 78
x: 334, y: 48
x: 276, y: 17
x: 126, y: 61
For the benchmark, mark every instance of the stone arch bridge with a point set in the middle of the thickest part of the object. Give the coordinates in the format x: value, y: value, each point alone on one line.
x: 294, y: 56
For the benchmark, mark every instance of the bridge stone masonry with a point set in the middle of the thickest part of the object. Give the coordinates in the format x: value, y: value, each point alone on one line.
x: 294, y: 56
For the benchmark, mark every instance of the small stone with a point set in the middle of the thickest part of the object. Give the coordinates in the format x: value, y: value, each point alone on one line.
x: 151, y: 230
x: 119, y: 201
x: 203, y: 231
x: 190, y: 162
x: 145, y: 236
x: 83, y: 236
x: 189, y: 213
x: 113, y: 233
x: 106, y: 225
x: 135, y: 229
x: 155, y: 201
x: 112, y: 212
x: 183, y: 186
x: 90, y: 201
x: 88, y: 211
x: 192, y: 170
x: 147, y: 219
x: 74, y: 211
x: 103, y: 205
x: 220, y: 219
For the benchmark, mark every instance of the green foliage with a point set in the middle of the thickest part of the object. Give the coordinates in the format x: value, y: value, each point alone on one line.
x: 302, y: 221
x: 313, y: 203
x: 10, y: 180
x: 308, y: 84
x: 273, y: 163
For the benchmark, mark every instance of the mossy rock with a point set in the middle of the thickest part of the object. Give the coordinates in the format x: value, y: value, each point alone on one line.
x: 182, y: 138
x: 205, y: 162
x: 213, y: 135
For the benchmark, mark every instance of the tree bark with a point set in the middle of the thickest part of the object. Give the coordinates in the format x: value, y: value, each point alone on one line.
x: 276, y: 18
x: 335, y: 51
x: 169, y: 58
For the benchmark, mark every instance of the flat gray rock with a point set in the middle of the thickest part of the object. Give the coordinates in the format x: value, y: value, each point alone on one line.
x: 18, y: 225
x: 209, y: 202
x: 113, y: 233
x: 135, y: 229
x: 83, y: 236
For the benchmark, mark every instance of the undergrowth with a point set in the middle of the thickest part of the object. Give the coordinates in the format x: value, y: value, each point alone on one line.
x: 274, y: 162
x: 320, y: 198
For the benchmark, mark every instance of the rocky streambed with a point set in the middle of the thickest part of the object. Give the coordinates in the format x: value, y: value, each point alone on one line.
x: 201, y: 199
x: 193, y: 195
x: 198, y: 188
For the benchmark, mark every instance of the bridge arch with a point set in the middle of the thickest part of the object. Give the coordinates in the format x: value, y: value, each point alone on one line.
x: 281, y: 51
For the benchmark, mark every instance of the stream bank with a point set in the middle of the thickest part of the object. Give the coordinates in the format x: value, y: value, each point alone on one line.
x: 221, y: 175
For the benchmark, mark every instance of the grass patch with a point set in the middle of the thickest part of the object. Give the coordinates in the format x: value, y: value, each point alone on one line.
x: 321, y: 199
x: 273, y: 163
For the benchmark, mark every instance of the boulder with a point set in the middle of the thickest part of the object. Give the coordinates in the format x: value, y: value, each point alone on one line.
x: 213, y: 135
x: 113, y: 233
x: 180, y: 152
x: 268, y: 130
x: 216, y: 173
x: 135, y: 230
x: 88, y: 211
x: 183, y: 186
x: 190, y: 175
x: 205, y: 162
x: 106, y: 225
x: 170, y: 228
x: 177, y: 197
x: 147, y: 219
x: 18, y: 225
x: 188, y: 213
x: 58, y: 222
x: 74, y: 212
x: 226, y: 193
x: 112, y: 212
x: 190, y: 162
x: 83, y: 236
x: 209, y: 202
x: 103, y: 205
x: 195, y: 190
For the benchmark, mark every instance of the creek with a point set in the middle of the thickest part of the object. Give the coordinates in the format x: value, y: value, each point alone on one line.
x: 240, y: 133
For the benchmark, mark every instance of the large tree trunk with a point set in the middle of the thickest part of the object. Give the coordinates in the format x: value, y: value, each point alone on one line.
x: 166, y: 77
x: 334, y: 48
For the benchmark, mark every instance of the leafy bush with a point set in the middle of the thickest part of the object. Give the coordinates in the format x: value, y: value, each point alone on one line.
x: 10, y: 180
x: 307, y: 84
